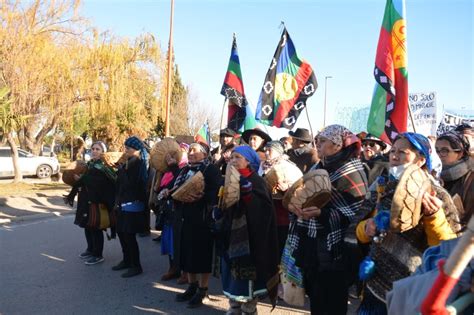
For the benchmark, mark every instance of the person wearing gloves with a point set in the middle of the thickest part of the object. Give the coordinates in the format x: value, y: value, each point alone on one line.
x: 130, y: 205
x: 247, y: 239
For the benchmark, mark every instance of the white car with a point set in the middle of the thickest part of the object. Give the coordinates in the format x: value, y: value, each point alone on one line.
x: 30, y: 164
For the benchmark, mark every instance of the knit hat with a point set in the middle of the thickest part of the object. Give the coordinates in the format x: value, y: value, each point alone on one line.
x: 275, y: 146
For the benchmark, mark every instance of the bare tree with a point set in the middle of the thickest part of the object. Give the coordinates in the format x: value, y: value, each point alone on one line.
x: 199, y: 113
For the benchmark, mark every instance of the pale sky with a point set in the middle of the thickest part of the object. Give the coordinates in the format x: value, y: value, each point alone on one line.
x: 337, y: 37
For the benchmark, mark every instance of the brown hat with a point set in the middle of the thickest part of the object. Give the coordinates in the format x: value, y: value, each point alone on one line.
x: 256, y: 131
x: 301, y: 134
x: 227, y: 132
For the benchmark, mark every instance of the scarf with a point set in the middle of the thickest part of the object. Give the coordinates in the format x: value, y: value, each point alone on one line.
x: 241, y: 265
x: 455, y: 171
x: 99, y: 165
x: 268, y: 164
x: 333, y: 162
x: 135, y: 143
x: 189, y: 170
x: 342, y: 208
x: 339, y: 135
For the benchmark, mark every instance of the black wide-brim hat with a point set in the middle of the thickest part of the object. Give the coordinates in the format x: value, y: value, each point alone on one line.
x: 301, y: 134
x: 257, y: 131
x: 370, y: 137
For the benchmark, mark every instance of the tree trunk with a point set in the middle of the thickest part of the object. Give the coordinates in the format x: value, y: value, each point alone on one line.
x: 33, y: 142
x: 16, y: 162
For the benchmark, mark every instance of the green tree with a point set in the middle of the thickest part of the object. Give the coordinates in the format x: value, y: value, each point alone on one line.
x: 178, y: 106
x: 9, y: 122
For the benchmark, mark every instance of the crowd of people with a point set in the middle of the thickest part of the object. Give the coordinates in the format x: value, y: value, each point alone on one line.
x: 354, y: 240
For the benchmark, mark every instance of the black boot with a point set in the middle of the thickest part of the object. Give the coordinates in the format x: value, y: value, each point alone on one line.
x: 133, y: 271
x: 121, y: 265
x: 196, y: 300
x: 188, y: 294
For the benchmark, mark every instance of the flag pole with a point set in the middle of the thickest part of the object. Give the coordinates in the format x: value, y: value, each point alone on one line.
x: 168, y: 83
x: 222, y: 114
x: 310, y: 127
x: 411, y: 117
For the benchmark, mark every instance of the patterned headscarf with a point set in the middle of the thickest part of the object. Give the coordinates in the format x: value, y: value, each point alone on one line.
x: 457, y: 141
x: 421, y: 144
x: 250, y: 155
x: 137, y: 144
x: 339, y: 135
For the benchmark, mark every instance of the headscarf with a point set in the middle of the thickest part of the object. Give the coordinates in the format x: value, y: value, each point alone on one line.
x: 457, y: 141
x: 250, y: 155
x: 137, y: 144
x: 202, y: 147
x: 101, y: 144
x: 275, y: 146
x: 421, y: 144
x: 184, y: 146
x: 339, y: 135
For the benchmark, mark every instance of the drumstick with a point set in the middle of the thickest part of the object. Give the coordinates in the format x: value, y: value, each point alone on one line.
x: 435, y: 301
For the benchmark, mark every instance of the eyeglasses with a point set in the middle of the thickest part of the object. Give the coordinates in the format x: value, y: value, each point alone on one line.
x: 444, y: 151
x: 369, y: 144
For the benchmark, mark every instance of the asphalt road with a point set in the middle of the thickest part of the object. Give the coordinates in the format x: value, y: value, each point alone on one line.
x: 41, y: 273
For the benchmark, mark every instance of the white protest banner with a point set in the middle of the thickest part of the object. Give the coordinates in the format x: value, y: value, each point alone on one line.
x: 450, y: 121
x: 423, y: 109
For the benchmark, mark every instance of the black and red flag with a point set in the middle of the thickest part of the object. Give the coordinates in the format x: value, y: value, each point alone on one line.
x: 289, y: 82
x: 233, y: 90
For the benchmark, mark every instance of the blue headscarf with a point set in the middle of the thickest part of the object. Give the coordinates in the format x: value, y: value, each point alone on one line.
x: 137, y: 144
x: 250, y: 155
x: 421, y: 144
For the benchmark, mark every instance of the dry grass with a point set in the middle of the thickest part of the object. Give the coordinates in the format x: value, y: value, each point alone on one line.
x: 11, y: 189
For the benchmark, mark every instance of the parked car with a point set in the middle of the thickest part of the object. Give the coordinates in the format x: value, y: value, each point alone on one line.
x: 30, y: 164
x: 87, y: 155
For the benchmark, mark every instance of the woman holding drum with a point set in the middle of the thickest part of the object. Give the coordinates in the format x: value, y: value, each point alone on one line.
x: 317, y: 235
x: 407, y: 216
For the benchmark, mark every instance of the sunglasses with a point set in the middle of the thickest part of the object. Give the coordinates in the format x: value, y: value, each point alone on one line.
x: 369, y: 144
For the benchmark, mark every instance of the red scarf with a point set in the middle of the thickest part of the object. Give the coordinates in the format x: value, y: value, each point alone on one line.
x: 245, y: 172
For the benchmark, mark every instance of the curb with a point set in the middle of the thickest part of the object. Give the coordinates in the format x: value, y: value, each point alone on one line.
x: 33, y: 217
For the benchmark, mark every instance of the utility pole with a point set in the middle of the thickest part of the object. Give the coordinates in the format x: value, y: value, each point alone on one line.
x: 325, y: 94
x: 168, y: 83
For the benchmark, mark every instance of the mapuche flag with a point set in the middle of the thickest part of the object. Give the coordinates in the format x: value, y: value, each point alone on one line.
x: 233, y: 90
x: 203, y: 135
x: 389, y: 110
x: 288, y: 84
